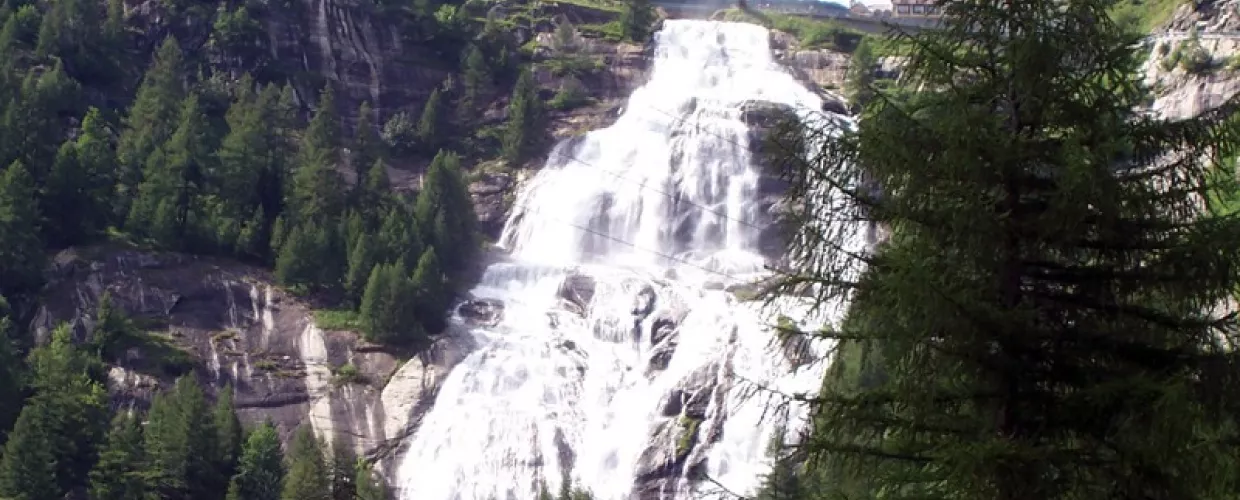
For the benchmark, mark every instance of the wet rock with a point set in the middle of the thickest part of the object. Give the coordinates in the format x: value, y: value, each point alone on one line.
x: 491, y: 193
x: 660, y: 358
x: 644, y: 302
x: 482, y: 312
x: 578, y: 290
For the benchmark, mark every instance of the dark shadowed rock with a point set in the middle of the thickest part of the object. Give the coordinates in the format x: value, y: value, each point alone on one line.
x: 578, y: 290
x: 481, y: 312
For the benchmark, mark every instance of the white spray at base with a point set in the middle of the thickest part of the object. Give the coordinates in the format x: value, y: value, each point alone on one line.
x: 619, y: 356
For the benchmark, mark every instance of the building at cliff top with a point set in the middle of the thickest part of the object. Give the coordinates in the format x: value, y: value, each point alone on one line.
x: 916, y: 9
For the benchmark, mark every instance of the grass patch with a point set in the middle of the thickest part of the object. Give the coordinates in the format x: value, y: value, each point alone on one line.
x: 688, y: 430
x: 816, y: 33
x: 338, y: 319
x: 603, y: 5
x: 576, y: 66
x: 266, y: 365
x: 1144, y: 16
x: 347, y: 374
x: 159, y: 354
x: 610, y: 31
x: 223, y: 336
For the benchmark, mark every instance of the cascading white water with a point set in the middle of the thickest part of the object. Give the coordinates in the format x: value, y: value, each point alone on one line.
x: 621, y: 248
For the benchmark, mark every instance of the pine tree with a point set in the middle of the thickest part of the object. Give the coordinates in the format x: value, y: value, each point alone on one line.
x: 399, y: 236
x: 27, y: 466
x: 375, y: 195
x: 21, y: 255
x: 377, y: 304
x: 475, y: 77
x: 636, y: 19
x: 118, y: 474
x: 10, y: 376
x: 860, y: 76
x: 315, y: 194
x: 71, y: 405
x: 246, y: 153
x: 177, y: 178
x: 97, y: 164
x: 524, y: 119
x: 1046, y: 306
x: 308, y: 477
x: 343, y: 463
x: 362, y: 259
x: 180, y: 444
x: 368, y: 487
x: 433, y: 295
x: 367, y: 147
x: 299, y: 262
x: 152, y: 118
x: 430, y: 126
x: 445, y: 203
x: 260, y: 471
x: 228, y: 437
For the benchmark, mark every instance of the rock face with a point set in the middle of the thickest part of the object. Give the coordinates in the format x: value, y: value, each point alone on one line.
x: 225, y: 323
x: 1179, y: 90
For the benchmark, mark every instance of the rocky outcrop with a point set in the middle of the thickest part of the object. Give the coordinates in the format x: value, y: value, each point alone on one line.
x: 226, y: 323
x: 1181, y: 89
x: 820, y: 70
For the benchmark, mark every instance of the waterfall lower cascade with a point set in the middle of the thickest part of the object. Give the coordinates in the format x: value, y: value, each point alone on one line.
x: 620, y: 359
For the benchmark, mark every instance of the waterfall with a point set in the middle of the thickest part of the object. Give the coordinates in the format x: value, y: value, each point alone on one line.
x: 620, y: 359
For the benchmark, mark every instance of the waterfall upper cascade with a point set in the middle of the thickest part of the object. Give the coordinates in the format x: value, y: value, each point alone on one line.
x: 619, y: 355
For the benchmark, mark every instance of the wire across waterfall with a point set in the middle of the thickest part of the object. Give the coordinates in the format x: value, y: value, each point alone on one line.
x: 619, y: 356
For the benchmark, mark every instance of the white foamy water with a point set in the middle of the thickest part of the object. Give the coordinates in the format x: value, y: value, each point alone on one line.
x: 649, y: 220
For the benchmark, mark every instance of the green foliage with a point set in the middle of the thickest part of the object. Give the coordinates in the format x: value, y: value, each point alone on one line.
x: 347, y: 374
x: 21, y: 255
x: 118, y: 474
x: 180, y: 442
x: 368, y: 487
x: 1041, y: 319
x: 385, y: 315
x: 400, y: 134
x: 444, y: 213
x: 10, y: 375
x: 307, y: 477
x: 151, y: 120
x: 260, y: 471
x: 431, y: 125
x: 1143, y: 16
x: 636, y: 20
x: 815, y: 33
x: 228, y: 437
x: 860, y: 76
x: 524, y: 119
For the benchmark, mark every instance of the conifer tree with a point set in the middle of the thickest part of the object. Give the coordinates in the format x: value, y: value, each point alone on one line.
x: 315, y: 194
x: 367, y: 146
x: 260, y: 470
x: 368, y: 487
x: 860, y: 75
x: 152, y: 118
x: 245, y: 153
x: 342, y: 470
x: 433, y: 295
x: 636, y: 19
x: 377, y: 304
x: 96, y: 162
x: 362, y: 259
x: 445, y: 203
x: 228, y: 438
x: 178, y: 179
x: 308, y: 477
x: 70, y: 402
x: 21, y: 255
x: 118, y: 474
x: 1047, y: 307
x: 400, y: 238
x: 10, y: 376
x: 475, y: 77
x: 375, y: 194
x: 524, y: 118
x: 430, y: 126
x: 300, y: 261
x: 27, y: 466
x: 180, y: 443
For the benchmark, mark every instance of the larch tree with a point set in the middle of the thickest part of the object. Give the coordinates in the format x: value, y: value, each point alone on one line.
x: 260, y: 469
x: 1046, y: 312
